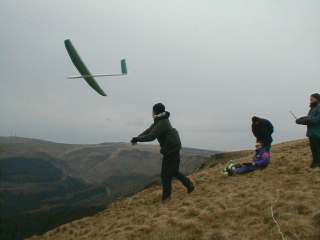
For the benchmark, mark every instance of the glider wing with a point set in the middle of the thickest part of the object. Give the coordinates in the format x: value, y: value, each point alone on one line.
x: 79, y: 64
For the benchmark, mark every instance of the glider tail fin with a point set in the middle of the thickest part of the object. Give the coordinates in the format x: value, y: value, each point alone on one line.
x: 124, y: 67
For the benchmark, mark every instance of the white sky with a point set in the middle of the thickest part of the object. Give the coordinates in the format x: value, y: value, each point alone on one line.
x: 213, y: 63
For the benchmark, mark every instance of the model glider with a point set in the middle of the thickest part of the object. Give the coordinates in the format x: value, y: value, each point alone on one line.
x: 85, y: 73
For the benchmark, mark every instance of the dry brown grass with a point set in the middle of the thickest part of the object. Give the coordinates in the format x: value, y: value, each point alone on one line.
x: 220, y: 208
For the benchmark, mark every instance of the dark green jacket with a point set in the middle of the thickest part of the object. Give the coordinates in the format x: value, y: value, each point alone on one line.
x: 167, y: 136
x: 312, y: 121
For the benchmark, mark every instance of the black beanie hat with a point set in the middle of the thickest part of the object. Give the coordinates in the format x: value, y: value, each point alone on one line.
x: 158, y: 108
x: 255, y: 119
x: 316, y: 96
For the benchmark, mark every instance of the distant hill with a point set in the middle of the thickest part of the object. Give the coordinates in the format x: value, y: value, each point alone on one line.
x: 221, y: 207
x: 45, y: 184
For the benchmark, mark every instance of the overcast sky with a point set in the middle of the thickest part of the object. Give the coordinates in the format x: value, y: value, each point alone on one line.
x: 213, y: 63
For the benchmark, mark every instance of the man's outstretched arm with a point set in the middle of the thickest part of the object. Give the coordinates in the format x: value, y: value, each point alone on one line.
x: 156, y: 131
x: 147, y: 131
x: 134, y: 140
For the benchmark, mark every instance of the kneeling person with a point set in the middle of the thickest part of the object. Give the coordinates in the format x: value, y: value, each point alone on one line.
x: 261, y: 160
x: 262, y: 129
x: 169, y: 140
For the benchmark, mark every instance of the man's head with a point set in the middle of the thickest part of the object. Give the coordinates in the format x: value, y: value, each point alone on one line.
x: 158, y: 108
x: 314, y: 99
x: 258, y: 145
x: 255, y: 120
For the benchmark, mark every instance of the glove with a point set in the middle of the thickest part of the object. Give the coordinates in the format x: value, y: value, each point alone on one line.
x: 134, y: 140
x: 302, y: 121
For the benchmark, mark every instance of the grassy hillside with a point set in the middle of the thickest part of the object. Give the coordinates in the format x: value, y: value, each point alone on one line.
x: 45, y: 184
x: 220, y: 208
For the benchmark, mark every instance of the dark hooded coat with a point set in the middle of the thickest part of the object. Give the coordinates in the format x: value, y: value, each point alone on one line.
x: 162, y: 130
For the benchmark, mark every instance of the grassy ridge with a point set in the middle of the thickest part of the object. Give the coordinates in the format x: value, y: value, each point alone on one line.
x: 221, y: 208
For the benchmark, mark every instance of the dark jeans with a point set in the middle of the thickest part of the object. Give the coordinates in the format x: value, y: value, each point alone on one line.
x: 170, y: 170
x: 245, y: 168
x: 248, y: 167
x: 315, y: 149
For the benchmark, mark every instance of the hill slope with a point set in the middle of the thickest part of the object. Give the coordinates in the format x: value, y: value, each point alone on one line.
x: 220, y: 208
x: 95, y: 163
x: 45, y: 184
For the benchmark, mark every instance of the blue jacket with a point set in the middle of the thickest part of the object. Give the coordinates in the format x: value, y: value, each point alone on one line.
x: 262, y: 158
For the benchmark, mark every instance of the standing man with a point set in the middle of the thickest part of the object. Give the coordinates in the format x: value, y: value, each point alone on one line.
x: 169, y: 140
x: 262, y: 129
x: 312, y: 121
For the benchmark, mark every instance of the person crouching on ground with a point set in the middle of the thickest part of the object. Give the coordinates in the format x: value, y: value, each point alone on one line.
x: 261, y: 160
x: 312, y: 121
x: 262, y: 129
x: 169, y: 140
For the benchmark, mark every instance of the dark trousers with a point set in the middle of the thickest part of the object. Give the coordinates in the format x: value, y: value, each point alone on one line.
x: 315, y: 149
x: 170, y: 170
x: 245, y: 168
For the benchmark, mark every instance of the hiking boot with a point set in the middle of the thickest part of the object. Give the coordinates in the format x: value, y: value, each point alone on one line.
x: 315, y: 165
x: 229, y: 171
x: 166, y: 200
x: 191, y: 188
